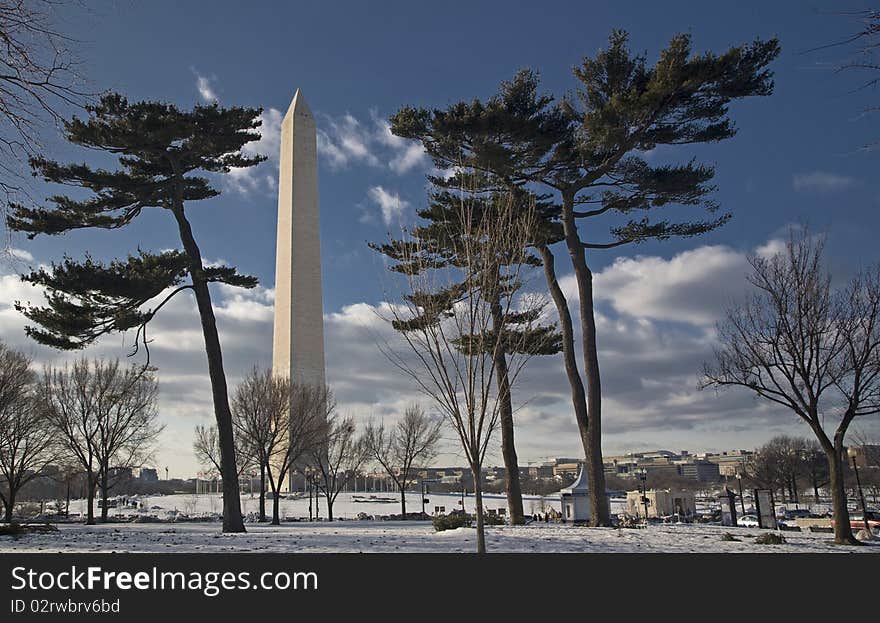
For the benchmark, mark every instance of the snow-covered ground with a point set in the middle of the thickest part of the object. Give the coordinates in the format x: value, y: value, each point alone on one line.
x: 347, y: 505
x: 351, y: 535
x: 410, y: 537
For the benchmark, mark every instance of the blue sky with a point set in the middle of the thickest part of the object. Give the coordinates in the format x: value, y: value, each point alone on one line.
x: 797, y: 157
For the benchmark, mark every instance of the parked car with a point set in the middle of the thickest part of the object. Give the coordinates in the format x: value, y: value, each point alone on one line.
x: 794, y: 513
x: 857, y: 521
x: 751, y: 521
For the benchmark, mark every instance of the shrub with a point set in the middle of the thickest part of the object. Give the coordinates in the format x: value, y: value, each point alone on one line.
x: 451, y: 522
x: 770, y: 538
x: 493, y: 520
x: 729, y: 537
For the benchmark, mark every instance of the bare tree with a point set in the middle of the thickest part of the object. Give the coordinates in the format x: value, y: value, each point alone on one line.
x: 127, y: 424
x: 811, y: 349
x: 103, y: 416
x: 778, y: 465
x: 38, y: 81
x: 337, y: 457
x: 206, y: 448
x: 280, y: 422
x: 26, y: 441
x: 409, y: 445
x: 451, y: 350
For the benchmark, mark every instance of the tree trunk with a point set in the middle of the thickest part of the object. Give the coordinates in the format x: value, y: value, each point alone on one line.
x: 478, y: 509
x: 329, y: 508
x: 104, y: 488
x: 402, y: 503
x: 262, y: 492
x: 599, y: 515
x: 90, y: 502
x: 10, y: 504
x: 596, y: 475
x: 232, y: 519
x: 842, y: 531
x: 276, y: 503
x: 505, y: 417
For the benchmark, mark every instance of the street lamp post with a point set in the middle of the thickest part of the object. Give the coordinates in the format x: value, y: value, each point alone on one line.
x: 643, y: 476
x: 852, y: 454
x: 309, y: 478
x: 742, y: 500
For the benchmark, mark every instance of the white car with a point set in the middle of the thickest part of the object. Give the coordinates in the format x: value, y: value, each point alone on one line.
x: 748, y: 521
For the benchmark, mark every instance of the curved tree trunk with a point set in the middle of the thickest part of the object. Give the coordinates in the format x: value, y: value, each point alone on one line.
x: 505, y: 417
x: 599, y: 512
x: 589, y: 436
x: 232, y: 519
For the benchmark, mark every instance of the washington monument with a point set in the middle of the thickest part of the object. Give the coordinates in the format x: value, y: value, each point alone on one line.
x: 298, y: 341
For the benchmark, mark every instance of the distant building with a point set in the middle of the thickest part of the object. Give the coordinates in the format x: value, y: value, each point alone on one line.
x: 661, y: 503
x: 731, y: 462
x: 148, y: 474
x: 701, y: 471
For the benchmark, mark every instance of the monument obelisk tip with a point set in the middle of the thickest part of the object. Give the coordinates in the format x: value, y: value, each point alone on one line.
x: 298, y: 105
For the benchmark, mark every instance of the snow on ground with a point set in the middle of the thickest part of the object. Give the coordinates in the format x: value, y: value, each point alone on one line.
x: 347, y: 505
x: 391, y: 536
x: 410, y: 537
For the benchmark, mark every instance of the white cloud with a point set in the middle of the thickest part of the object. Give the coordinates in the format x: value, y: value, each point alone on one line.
x: 649, y: 365
x: 345, y: 141
x: 691, y: 287
x: 408, y: 154
x: 256, y: 179
x: 206, y: 91
x: 20, y: 255
x: 822, y: 181
x: 390, y: 204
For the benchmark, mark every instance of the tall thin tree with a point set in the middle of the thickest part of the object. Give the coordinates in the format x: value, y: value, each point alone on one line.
x: 163, y: 153
x: 587, y: 152
x: 437, y: 248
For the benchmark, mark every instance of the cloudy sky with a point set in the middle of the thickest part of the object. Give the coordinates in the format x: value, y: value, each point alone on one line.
x: 798, y: 156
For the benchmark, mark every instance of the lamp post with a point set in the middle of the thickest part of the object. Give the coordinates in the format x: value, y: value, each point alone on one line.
x: 309, y: 479
x: 742, y: 500
x: 852, y: 454
x: 643, y: 476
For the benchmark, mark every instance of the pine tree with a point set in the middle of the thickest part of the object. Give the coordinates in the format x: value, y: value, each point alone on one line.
x: 163, y: 153
x: 435, y: 245
x: 587, y: 152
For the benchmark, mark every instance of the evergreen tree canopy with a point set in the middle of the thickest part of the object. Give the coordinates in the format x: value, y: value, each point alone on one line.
x: 589, y: 146
x: 161, y: 152
x: 436, y: 245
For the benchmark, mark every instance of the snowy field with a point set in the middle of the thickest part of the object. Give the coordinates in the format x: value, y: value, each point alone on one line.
x: 347, y: 506
x: 352, y: 535
x: 411, y: 537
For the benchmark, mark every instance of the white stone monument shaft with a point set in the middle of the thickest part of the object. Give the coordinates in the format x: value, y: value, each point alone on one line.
x: 298, y: 341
